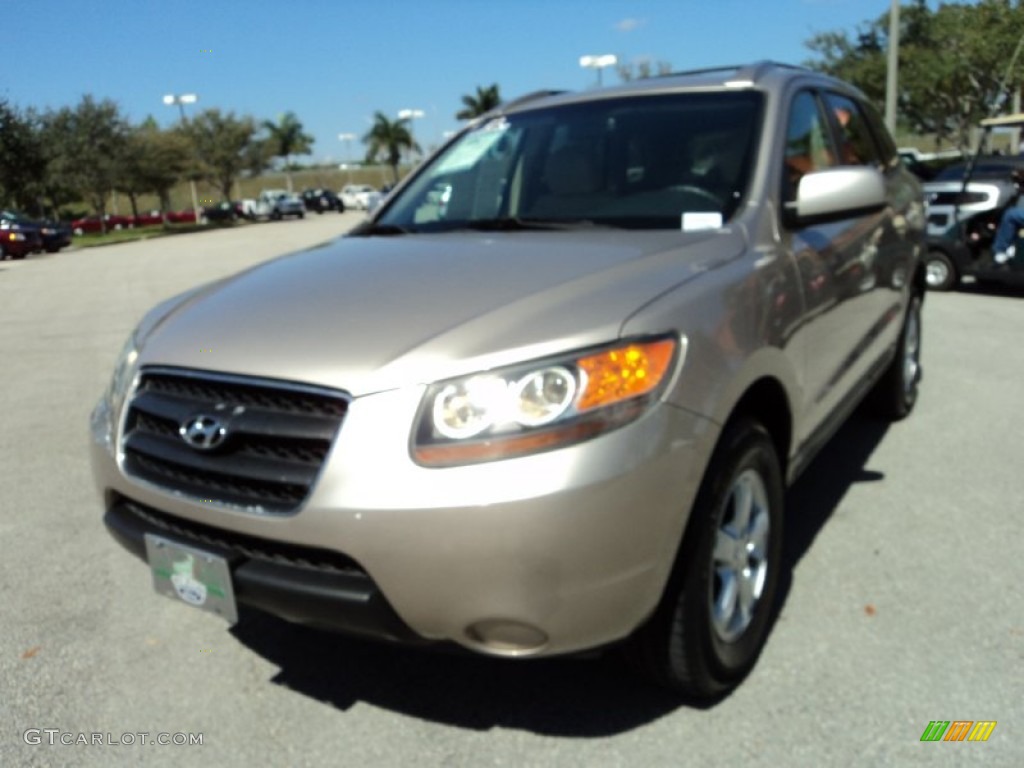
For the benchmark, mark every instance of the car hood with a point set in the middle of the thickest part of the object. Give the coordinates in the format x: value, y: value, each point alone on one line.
x: 366, y: 314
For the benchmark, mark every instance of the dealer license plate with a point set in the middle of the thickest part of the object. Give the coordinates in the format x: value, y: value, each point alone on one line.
x: 192, y: 576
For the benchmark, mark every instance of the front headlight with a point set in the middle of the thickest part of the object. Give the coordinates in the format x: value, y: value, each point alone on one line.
x: 542, y: 405
x: 124, y: 373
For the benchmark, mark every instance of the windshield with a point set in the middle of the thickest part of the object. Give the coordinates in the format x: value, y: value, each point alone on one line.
x: 989, y: 170
x: 665, y: 161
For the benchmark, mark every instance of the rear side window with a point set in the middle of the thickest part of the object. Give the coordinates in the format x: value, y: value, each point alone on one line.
x: 890, y: 156
x: 854, y: 139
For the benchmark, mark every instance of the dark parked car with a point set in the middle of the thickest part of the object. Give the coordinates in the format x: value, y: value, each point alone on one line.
x: 19, y: 236
x: 228, y: 210
x: 54, y: 235
x: 321, y: 200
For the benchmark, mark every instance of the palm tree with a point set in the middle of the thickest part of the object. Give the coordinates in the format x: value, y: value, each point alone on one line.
x: 287, y: 139
x: 389, y: 137
x: 482, y: 102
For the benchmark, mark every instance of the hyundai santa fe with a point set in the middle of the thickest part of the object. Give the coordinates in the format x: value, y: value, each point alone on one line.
x: 548, y: 397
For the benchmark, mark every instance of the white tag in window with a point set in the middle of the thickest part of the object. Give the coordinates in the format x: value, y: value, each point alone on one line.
x: 694, y: 222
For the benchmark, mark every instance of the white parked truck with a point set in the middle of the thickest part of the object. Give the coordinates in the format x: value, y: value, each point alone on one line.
x: 273, y: 204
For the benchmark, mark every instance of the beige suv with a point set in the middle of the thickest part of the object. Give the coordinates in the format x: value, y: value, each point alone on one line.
x: 549, y: 397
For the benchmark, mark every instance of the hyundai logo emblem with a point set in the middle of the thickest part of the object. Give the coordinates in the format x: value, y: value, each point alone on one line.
x: 204, y: 433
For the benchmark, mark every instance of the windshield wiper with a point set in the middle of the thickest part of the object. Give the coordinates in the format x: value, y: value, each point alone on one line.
x: 368, y: 228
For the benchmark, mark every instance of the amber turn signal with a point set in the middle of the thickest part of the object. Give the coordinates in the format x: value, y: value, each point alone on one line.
x: 622, y: 373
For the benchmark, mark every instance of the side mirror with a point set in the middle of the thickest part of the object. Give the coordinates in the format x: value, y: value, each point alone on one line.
x: 836, y: 193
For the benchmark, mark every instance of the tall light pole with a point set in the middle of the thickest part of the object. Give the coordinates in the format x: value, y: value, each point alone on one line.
x: 893, y: 66
x: 599, y: 63
x: 181, y: 100
x: 411, y: 115
x: 348, y: 138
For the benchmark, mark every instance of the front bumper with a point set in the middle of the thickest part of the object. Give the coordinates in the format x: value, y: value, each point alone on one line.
x: 18, y: 248
x: 302, y: 588
x: 56, y: 241
x: 551, y: 553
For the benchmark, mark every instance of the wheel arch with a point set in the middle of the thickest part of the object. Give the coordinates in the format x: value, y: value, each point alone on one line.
x: 766, y: 402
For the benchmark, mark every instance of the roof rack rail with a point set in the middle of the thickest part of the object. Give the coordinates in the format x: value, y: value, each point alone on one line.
x: 744, y: 72
x: 532, y: 96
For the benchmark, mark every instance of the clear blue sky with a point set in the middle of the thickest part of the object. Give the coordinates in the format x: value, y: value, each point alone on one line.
x: 335, y: 63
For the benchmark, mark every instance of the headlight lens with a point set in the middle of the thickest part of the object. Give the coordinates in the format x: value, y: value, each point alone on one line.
x: 467, y: 408
x: 539, y: 406
x: 543, y: 396
x: 124, y: 372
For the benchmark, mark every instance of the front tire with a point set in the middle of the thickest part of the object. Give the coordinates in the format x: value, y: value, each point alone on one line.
x: 714, y: 615
x: 896, y: 392
x: 939, y: 271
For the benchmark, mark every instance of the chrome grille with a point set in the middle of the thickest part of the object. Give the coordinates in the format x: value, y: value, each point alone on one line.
x: 278, y: 436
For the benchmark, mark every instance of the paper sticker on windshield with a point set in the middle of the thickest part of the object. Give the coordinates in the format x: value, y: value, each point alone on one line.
x: 472, y: 147
x: 695, y: 222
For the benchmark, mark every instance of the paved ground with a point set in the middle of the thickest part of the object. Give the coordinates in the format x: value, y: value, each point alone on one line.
x: 902, y: 597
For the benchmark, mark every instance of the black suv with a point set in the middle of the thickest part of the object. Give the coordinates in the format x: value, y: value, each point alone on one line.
x: 321, y: 200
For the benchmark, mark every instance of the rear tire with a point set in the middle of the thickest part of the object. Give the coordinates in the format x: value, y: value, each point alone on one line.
x: 940, y: 271
x: 714, y: 616
x: 896, y: 392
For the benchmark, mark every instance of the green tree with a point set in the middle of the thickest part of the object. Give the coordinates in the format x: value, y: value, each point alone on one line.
x: 389, y: 137
x: 58, y: 182
x: 480, y: 103
x: 22, y: 159
x: 259, y: 156
x: 953, y: 66
x: 153, y: 161
x: 222, y: 144
x: 287, y: 139
x: 91, y: 138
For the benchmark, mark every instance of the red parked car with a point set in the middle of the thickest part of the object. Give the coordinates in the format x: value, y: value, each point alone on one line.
x: 92, y: 223
x: 182, y: 217
x: 149, y: 219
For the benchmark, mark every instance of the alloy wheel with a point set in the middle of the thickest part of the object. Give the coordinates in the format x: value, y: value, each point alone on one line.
x: 739, y: 561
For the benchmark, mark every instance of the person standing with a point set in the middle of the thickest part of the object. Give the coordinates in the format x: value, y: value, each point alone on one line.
x: 1010, y: 224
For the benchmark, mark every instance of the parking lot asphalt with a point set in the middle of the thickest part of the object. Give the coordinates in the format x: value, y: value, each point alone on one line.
x: 901, y: 596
